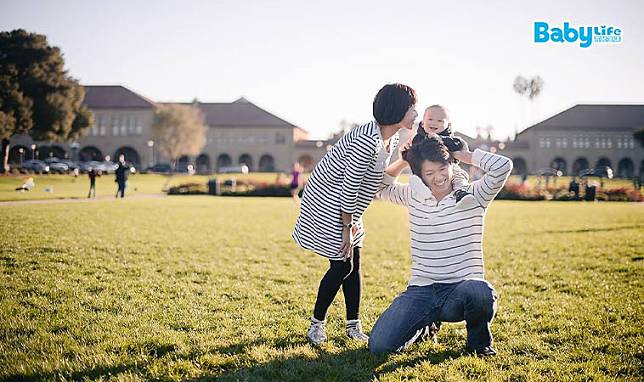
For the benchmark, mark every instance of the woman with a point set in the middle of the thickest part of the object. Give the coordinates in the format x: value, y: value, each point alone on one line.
x: 296, y: 183
x: 340, y: 188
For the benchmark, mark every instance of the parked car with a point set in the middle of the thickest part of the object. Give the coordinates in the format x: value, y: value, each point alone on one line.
x: 109, y: 166
x: 58, y: 167
x: 85, y: 166
x: 36, y: 166
x: 162, y: 168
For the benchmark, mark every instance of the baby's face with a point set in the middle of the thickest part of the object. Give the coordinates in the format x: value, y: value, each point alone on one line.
x: 435, y: 120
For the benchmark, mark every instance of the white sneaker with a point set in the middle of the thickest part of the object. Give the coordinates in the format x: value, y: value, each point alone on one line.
x: 465, y: 200
x: 354, y: 331
x: 316, y: 334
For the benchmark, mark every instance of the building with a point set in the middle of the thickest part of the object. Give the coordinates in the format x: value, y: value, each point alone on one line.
x: 581, y: 137
x: 238, y: 133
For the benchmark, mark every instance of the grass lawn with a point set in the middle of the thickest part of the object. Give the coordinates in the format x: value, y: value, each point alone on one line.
x: 205, y: 287
x: 66, y: 186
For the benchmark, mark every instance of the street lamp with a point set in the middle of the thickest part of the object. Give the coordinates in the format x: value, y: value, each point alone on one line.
x: 33, y: 151
x: 151, y: 146
x: 22, y: 152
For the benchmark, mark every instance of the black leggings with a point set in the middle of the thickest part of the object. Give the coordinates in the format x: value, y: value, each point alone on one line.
x: 341, y: 273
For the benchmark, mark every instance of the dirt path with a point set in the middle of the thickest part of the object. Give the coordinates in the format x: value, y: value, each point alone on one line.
x: 79, y: 200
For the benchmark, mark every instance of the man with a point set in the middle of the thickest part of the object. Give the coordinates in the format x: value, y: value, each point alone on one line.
x: 122, y: 172
x: 448, y: 281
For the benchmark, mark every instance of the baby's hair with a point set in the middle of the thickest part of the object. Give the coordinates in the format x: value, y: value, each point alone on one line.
x: 426, y: 148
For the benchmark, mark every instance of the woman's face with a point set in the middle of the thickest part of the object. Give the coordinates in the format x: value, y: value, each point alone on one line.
x: 409, y: 118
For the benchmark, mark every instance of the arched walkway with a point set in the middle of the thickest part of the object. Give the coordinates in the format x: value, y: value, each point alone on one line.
x: 90, y: 153
x: 131, y: 156
x: 223, y: 160
x: 578, y: 165
x: 266, y: 163
x: 559, y: 164
x: 246, y: 159
x: 203, y: 164
x: 625, y: 168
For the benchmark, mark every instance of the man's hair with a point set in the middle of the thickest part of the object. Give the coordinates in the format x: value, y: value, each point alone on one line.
x: 426, y: 148
x: 392, y: 103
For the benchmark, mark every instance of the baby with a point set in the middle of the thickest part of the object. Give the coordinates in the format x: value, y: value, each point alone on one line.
x: 436, y: 121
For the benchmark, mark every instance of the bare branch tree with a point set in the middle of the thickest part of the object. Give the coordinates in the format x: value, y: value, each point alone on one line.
x: 179, y: 130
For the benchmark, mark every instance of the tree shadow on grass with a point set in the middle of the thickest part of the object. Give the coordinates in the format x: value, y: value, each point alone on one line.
x: 320, y: 364
x: 347, y: 365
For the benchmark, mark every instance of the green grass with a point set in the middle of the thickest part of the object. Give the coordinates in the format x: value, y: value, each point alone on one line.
x: 68, y: 187
x: 205, y: 287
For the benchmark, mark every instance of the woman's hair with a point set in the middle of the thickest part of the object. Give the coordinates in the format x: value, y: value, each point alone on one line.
x: 392, y: 103
x: 426, y: 148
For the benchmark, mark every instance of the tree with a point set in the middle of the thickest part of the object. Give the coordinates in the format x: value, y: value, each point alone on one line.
x: 528, y: 87
x: 179, y: 130
x: 37, y: 95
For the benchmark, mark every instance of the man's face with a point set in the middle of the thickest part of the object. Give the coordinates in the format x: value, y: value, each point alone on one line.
x: 437, y: 176
x: 435, y: 120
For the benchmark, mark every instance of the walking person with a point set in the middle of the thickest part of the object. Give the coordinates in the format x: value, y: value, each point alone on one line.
x: 340, y: 188
x: 122, y: 172
x: 92, y: 174
x: 296, y: 183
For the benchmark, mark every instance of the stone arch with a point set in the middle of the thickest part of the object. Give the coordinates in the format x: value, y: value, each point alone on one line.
x: 224, y: 160
x: 559, y: 164
x: 266, y: 163
x: 15, y: 156
x: 203, y: 163
x: 131, y: 155
x: 52, y: 151
x: 579, y: 164
x: 603, y: 162
x: 90, y: 153
x: 626, y: 168
x: 246, y: 159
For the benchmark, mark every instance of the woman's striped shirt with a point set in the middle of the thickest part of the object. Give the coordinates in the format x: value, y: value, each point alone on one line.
x: 346, y: 180
x: 447, y: 243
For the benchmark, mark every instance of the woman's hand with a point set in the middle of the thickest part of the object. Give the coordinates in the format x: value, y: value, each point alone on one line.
x: 407, y: 144
x: 346, y: 249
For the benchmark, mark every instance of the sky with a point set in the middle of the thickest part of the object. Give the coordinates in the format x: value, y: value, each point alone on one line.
x: 317, y: 64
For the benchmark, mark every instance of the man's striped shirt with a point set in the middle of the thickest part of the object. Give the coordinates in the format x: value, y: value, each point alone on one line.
x: 447, y: 243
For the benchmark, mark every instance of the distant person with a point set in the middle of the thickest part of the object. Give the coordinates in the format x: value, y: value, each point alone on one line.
x: 92, y: 174
x: 28, y: 185
x: 296, y: 183
x: 122, y: 172
x: 574, y: 187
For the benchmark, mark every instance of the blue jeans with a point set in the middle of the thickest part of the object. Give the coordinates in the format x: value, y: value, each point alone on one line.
x: 409, y: 315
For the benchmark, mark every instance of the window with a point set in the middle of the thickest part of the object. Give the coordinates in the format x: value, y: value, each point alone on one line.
x: 609, y: 143
x: 115, y: 125
x: 280, y: 138
x: 102, y: 131
x: 564, y: 143
x: 94, y: 130
x: 542, y: 143
x: 587, y: 143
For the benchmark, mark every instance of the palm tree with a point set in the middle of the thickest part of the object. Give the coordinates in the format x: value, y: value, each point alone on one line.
x: 528, y: 87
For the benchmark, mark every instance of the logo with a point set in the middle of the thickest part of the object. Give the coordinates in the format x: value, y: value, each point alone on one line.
x: 586, y: 35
